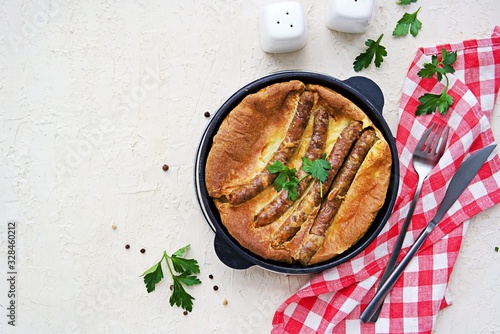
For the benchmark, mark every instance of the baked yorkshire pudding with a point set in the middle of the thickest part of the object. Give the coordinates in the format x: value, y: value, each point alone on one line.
x: 293, y: 216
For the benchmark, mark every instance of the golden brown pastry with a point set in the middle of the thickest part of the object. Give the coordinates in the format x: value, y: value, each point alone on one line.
x: 285, y: 122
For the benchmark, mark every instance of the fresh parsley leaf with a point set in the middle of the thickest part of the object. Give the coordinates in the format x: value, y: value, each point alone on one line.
x: 187, y: 269
x: 437, y: 67
x: 374, y: 50
x: 180, y: 252
x: 405, y: 2
x: 448, y: 59
x: 444, y: 103
x: 188, y: 279
x: 185, y: 265
x: 497, y: 249
x: 152, y: 276
x: 430, y: 69
x: 276, y: 167
x: 318, y: 169
x: 280, y: 181
x: 180, y: 297
x: 285, y: 173
x: 291, y: 188
x: 306, y: 164
x: 409, y: 22
x: 429, y: 103
x: 286, y: 179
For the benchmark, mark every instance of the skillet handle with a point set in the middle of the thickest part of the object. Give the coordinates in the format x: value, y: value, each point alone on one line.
x: 228, y: 255
x: 369, y: 89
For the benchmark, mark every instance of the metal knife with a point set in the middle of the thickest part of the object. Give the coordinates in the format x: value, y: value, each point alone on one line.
x: 464, y: 175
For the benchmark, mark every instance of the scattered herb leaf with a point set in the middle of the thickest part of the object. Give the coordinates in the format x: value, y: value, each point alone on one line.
x: 409, y: 22
x: 186, y: 270
x: 430, y: 102
x: 375, y: 49
x: 405, y: 2
x: 439, y: 68
x: 443, y: 101
x: 497, y: 249
x: 152, y: 276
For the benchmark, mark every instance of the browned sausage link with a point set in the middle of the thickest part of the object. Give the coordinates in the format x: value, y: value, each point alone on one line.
x: 338, y: 154
x: 318, y: 136
x: 292, y: 224
x: 280, y: 204
x: 340, y: 186
x: 342, y: 182
x: 285, y: 151
x: 313, y: 198
x: 310, y: 248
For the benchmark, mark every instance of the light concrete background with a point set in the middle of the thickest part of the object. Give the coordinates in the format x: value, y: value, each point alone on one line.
x: 95, y: 96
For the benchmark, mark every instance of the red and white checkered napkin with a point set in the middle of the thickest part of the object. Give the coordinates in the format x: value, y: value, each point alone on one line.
x: 332, y: 301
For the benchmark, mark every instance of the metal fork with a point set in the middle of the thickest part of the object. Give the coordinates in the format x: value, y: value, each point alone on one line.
x: 425, y: 157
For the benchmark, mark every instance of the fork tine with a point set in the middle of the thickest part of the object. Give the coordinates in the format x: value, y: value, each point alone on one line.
x: 437, y: 143
x: 428, y: 146
x: 426, y: 134
x: 444, y: 140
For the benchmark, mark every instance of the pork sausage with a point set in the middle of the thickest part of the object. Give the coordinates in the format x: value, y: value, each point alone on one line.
x: 313, y: 198
x: 340, y: 186
x: 262, y: 180
x: 281, y: 203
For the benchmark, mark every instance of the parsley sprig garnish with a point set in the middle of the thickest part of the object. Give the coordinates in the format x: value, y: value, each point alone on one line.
x: 443, y: 101
x: 409, y: 22
x: 318, y: 169
x: 186, y: 270
x: 374, y: 50
x: 287, y: 178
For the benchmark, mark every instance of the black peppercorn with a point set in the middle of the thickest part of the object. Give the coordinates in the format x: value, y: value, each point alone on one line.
x: 127, y: 246
x: 143, y: 250
x: 207, y: 114
x: 216, y: 287
x: 165, y: 167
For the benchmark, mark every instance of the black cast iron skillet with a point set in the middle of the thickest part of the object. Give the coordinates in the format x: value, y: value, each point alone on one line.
x: 360, y: 90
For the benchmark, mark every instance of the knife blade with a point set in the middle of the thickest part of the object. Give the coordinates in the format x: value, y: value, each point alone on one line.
x: 464, y: 175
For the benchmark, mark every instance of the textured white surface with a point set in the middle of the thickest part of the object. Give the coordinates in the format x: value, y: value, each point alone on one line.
x: 95, y: 96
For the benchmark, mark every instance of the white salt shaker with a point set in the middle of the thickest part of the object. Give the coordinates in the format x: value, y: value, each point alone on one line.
x: 351, y: 16
x: 282, y: 27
